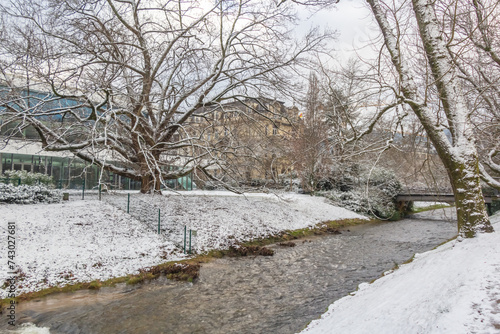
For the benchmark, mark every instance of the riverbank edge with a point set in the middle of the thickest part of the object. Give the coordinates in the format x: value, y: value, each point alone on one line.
x: 390, y: 271
x: 188, y: 269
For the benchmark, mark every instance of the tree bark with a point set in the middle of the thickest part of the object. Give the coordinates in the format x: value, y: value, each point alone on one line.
x: 151, y: 179
x: 146, y: 183
x: 151, y: 184
x: 472, y: 216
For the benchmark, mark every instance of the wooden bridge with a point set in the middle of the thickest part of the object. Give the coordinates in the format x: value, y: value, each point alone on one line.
x: 402, y: 199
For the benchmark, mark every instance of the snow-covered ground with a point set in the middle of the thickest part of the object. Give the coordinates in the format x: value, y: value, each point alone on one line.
x: 57, y: 244
x: 453, y: 289
x: 222, y: 218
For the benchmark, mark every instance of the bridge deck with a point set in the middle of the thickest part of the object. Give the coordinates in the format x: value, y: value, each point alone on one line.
x: 448, y: 198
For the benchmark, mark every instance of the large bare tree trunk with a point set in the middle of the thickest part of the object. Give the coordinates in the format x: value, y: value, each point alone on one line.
x: 471, y: 212
x: 151, y: 179
x: 150, y: 183
x: 146, y: 183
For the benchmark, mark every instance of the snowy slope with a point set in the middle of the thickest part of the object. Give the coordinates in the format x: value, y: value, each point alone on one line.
x: 223, y: 218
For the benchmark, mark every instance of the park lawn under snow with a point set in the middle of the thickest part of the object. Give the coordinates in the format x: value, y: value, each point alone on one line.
x: 222, y: 218
x: 453, y: 289
x: 85, y: 240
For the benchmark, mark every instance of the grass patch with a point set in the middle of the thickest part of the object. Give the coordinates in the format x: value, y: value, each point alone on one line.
x: 249, y: 250
x: 287, y: 244
x: 398, y: 216
x: 143, y: 276
x: 445, y: 242
x: 179, y: 271
x: 324, y: 228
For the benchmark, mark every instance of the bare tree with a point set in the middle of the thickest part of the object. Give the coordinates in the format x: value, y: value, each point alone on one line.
x: 310, y: 145
x: 414, y: 160
x: 115, y: 82
x: 450, y: 131
x: 475, y: 46
x: 340, y: 110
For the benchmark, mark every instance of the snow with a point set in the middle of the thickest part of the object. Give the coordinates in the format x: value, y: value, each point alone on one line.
x: 85, y: 240
x: 29, y: 328
x: 452, y: 289
x: 223, y: 218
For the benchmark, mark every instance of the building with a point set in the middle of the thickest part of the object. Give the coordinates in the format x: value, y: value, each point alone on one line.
x: 249, y: 138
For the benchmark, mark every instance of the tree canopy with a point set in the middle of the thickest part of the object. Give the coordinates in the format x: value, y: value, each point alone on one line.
x: 117, y: 82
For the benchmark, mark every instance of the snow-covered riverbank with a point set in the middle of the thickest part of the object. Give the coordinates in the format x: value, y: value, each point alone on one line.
x: 81, y: 241
x: 453, y: 289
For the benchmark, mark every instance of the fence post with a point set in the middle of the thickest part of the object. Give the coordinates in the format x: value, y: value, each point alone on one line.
x: 190, y: 241
x: 83, y: 189
x: 185, y: 239
x: 99, y: 191
x: 159, y: 219
x: 128, y: 203
x: 19, y: 181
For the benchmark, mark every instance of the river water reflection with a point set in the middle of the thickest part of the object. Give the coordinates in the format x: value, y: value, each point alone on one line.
x: 278, y: 294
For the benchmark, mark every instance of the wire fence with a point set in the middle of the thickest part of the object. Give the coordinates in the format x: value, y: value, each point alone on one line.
x: 153, y: 212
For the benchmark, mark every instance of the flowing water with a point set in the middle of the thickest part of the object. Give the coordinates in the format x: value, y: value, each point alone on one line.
x: 278, y: 294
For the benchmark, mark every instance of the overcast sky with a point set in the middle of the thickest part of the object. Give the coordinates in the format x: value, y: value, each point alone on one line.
x: 351, y: 18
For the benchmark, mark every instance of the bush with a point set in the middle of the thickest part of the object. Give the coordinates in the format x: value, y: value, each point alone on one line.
x: 25, y: 194
x: 365, y: 191
x: 375, y: 202
x: 29, y: 178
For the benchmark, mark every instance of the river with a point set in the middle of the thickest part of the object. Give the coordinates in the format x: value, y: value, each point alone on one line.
x: 278, y: 294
